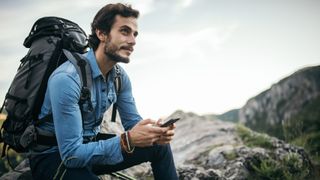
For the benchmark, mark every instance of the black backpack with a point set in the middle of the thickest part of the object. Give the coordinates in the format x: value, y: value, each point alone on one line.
x: 52, y: 41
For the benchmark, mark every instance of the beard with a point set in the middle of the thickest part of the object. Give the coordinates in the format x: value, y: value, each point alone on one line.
x: 111, y: 52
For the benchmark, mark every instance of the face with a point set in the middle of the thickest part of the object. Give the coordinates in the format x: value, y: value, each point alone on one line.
x: 121, y: 39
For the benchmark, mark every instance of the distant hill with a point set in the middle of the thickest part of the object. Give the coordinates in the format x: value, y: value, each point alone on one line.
x: 231, y: 116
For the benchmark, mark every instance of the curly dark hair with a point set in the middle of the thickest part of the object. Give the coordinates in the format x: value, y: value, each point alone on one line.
x: 105, y: 18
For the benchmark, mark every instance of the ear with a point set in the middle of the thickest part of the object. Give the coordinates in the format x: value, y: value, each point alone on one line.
x: 101, y: 35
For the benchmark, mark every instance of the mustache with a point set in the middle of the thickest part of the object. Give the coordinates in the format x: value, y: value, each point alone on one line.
x: 130, y: 48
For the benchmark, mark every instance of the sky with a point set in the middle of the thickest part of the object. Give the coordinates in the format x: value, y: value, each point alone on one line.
x: 201, y: 56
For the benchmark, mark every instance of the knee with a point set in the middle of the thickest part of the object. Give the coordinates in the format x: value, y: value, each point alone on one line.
x: 163, y: 151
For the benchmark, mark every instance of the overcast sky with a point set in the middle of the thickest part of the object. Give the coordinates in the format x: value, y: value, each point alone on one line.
x: 204, y: 56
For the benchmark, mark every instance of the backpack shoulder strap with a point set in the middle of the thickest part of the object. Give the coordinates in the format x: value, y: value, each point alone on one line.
x: 85, y: 74
x: 117, y: 78
x: 117, y: 85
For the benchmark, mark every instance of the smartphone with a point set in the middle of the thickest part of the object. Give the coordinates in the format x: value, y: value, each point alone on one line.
x: 168, y: 123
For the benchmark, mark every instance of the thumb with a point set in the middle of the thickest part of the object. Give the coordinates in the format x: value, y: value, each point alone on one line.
x: 159, y: 122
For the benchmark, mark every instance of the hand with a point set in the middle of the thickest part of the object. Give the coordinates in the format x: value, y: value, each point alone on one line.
x: 168, y: 135
x: 145, y: 133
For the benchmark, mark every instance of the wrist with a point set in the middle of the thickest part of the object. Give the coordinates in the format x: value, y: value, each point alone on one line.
x: 130, y: 140
x: 125, y: 143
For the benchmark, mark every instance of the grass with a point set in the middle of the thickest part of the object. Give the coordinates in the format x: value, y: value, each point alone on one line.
x: 253, y: 139
x: 291, y: 167
x: 266, y: 169
x: 311, y: 143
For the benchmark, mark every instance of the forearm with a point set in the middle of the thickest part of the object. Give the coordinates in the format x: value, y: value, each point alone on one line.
x: 101, y: 152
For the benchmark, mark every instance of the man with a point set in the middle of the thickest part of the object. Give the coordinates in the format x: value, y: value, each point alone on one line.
x: 77, y: 156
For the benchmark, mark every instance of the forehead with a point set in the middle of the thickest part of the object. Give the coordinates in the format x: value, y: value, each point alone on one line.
x: 125, y: 21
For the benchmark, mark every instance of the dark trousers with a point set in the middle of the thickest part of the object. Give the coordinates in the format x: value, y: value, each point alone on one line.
x: 49, y: 166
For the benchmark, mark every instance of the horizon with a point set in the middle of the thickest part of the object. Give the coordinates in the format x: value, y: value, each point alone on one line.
x: 206, y: 57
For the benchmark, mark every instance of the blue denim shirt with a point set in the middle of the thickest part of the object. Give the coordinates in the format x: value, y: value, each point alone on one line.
x: 61, y: 99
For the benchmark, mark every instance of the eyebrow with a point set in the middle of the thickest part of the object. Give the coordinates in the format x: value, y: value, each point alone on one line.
x: 129, y: 28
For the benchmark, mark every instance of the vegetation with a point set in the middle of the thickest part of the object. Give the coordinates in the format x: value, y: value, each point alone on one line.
x: 261, y: 124
x: 254, y: 139
x: 291, y: 167
x: 304, y: 130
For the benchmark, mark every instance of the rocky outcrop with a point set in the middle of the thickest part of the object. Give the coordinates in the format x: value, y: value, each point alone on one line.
x: 206, y: 148
x: 213, y: 149
x: 284, y: 103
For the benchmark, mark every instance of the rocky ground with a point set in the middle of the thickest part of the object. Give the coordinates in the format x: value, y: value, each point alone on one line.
x: 206, y: 148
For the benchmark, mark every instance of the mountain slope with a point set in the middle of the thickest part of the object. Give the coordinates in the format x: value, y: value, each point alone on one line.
x: 289, y: 110
x: 283, y: 102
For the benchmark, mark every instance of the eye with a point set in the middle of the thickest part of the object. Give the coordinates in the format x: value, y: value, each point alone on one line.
x: 125, y: 31
x: 135, y: 34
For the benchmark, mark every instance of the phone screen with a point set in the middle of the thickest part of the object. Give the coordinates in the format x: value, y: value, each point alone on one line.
x: 168, y: 123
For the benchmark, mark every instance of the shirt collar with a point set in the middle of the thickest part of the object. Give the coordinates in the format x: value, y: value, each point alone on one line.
x: 93, y: 64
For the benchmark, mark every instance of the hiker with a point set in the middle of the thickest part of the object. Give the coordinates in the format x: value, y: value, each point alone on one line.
x: 79, y: 153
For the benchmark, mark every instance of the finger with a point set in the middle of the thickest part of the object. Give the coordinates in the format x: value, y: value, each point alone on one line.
x: 169, y: 133
x: 156, y: 139
x: 158, y: 130
x: 147, y: 121
x: 159, y: 122
x: 163, y: 142
x: 172, y: 126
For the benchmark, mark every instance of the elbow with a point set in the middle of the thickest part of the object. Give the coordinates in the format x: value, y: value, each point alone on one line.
x: 74, y: 162
x: 74, y: 159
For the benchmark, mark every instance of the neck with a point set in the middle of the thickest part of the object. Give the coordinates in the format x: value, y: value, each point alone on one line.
x: 105, y: 64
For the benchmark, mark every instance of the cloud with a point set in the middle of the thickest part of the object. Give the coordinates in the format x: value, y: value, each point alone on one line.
x: 186, y: 3
x: 144, y: 6
x: 181, y: 47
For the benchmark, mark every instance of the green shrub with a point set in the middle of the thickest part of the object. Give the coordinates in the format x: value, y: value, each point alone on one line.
x: 311, y: 143
x: 253, y: 139
x: 291, y: 167
x: 294, y: 168
x: 267, y: 169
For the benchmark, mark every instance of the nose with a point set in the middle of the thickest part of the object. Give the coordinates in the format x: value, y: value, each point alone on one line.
x: 132, y: 40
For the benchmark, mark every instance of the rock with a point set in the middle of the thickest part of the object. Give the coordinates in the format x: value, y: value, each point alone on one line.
x: 215, y: 159
x: 195, y: 173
